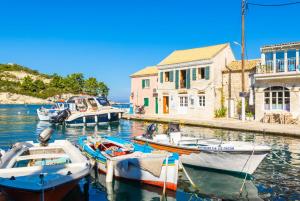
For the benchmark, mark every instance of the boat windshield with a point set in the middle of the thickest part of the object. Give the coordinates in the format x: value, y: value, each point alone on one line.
x: 103, y: 101
x: 93, y: 103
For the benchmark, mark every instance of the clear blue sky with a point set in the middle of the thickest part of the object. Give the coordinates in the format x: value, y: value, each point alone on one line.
x: 112, y: 39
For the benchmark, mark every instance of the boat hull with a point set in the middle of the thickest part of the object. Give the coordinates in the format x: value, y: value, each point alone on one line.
x: 135, y: 174
x: 237, y: 162
x: 93, y: 119
x: 45, y: 116
x: 53, y: 194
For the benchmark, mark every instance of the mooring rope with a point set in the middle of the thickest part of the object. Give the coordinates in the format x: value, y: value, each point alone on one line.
x: 244, y: 181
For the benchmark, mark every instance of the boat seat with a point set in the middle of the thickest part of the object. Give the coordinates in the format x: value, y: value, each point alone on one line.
x: 41, y: 156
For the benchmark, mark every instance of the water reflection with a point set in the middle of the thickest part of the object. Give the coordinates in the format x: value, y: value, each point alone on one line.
x: 128, y: 190
x: 216, y: 184
x: 277, y: 176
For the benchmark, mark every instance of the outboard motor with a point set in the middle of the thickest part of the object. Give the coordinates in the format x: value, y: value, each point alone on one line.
x: 173, y: 128
x: 150, y: 130
x: 60, y: 117
x: 45, y: 136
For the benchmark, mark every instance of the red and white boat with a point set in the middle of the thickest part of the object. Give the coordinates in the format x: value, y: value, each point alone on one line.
x: 48, y: 172
x: 126, y: 160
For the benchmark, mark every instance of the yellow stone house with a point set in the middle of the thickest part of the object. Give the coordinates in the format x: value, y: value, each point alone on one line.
x: 190, y: 81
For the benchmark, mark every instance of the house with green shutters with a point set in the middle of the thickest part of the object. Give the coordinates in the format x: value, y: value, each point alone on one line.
x: 143, y: 90
x: 190, y: 81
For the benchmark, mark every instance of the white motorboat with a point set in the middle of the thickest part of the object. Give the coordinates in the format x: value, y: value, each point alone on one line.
x: 42, y: 171
x: 232, y: 156
x: 87, y: 111
x: 45, y: 114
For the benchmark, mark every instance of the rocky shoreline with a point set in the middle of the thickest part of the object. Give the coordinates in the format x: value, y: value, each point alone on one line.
x: 12, y: 98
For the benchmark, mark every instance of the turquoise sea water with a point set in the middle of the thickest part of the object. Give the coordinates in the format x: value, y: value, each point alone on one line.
x: 277, y: 178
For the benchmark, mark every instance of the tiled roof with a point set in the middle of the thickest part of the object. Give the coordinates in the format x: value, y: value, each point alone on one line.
x: 195, y: 54
x: 237, y: 65
x: 150, y: 70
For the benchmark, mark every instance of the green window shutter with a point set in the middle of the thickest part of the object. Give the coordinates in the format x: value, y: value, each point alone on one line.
x: 161, y: 77
x: 194, y: 73
x: 171, y: 76
x: 143, y: 84
x: 146, y: 102
x: 177, y: 79
x: 207, y: 73
x: 188, y: 78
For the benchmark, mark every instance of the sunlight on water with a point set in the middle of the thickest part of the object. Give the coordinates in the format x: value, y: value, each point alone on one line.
x: 277, y: 177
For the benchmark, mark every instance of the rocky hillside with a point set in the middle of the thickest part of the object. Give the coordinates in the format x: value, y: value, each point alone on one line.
x: 19, y: 84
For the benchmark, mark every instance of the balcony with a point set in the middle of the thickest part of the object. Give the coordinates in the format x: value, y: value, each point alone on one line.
x: 268, y: 68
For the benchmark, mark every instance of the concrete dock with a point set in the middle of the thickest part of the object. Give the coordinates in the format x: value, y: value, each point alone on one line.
x: 223, y: 123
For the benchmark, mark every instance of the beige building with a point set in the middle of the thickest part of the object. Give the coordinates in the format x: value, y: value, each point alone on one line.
x: 232, y: 86
x: 277, y: 80
x: 143, y: 89
x: 190, y: 81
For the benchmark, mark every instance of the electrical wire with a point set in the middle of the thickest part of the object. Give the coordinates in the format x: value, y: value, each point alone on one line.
x: 273, y: 5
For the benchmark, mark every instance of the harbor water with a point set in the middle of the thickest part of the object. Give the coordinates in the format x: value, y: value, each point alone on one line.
x: 277, y: 177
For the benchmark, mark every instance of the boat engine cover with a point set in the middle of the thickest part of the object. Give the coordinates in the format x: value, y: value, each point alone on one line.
x: 45, y: 136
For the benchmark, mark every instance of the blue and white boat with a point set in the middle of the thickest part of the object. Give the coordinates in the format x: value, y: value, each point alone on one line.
x: 90, y: 111
x: 123, y: 159
x: 45, y: 114
x: 87, y: 111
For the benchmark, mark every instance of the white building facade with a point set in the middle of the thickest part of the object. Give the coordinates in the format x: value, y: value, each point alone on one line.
x: 277, y: 80
x: 190, y: 81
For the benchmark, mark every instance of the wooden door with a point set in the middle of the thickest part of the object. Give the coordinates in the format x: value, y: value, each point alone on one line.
x: 166, y: 104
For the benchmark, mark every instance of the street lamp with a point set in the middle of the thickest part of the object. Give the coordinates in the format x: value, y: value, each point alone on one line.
x: 242, y: 94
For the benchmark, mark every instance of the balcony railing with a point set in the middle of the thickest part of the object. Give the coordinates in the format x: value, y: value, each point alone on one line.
x: 265, y: 69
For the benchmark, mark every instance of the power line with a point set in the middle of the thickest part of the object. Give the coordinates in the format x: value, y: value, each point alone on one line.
x: 274, y: 5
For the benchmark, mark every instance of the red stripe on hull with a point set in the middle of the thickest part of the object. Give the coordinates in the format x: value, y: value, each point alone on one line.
x: 53, y: 194
x: 170, y: 186
x: 170, y: 148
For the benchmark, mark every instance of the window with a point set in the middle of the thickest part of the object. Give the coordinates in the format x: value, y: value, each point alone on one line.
x: 145, y: 83
x: 146, y: 102
x: 201, y: 73
x: 279, y: 61
x: 202, y: 101
x: 291, y: 56
x: 277, y: 98
x: 183, y: 101
x: 167, y: 76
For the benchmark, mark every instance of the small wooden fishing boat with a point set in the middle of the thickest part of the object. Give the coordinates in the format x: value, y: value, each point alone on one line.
x: 232, y: 156
x: 126, y: 160
x: 42, y: 171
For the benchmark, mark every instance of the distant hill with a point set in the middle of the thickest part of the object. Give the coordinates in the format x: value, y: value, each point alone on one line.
x: 22, y: 80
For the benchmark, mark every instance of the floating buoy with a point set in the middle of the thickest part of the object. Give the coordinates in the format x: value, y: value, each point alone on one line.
x: 108, y: 116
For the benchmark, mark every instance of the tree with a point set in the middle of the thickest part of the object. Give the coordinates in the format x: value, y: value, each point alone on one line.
x: 39, y: 85
x: 27, y: 84
x: 57, y: 82
x: 103, y: 89
x: 74, y: 83
x: 91, y: 86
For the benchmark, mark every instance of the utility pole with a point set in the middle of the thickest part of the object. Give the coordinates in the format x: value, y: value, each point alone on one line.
x: 243, y: 44
x: 243, y: 93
